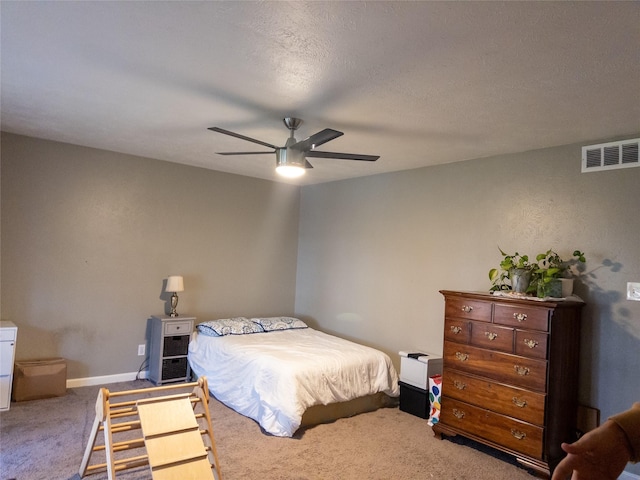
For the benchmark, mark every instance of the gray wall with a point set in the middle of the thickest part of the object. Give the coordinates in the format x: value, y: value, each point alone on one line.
x: 89, y: 237
x: 374, y: 253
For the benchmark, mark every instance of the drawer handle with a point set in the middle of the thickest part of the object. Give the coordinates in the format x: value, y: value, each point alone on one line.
x: 463, y: 357
x: 519, y: 403
x: 490, y: 335
x: 458, y: 413
x: 455, y: 329
x: 518, y: 434
x: 466, y: 308
x: 522, y: 371
x: 521, y: 317
x: 530, y: 343
x: 459, y: 385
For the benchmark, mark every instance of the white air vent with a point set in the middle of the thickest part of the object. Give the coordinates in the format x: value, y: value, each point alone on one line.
x: 609, y: 156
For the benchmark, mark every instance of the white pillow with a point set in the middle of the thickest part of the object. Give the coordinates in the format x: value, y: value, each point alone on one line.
x: 229, y: 326
x: 279, y: 323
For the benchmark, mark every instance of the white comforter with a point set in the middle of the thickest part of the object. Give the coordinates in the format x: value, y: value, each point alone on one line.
x: 273, y: 377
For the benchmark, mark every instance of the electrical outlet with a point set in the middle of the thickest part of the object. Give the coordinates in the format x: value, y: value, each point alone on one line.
x: 633, y: 291
x: 141, y: 349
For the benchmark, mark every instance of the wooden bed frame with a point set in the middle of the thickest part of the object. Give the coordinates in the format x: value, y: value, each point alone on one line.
x: 329, y: 413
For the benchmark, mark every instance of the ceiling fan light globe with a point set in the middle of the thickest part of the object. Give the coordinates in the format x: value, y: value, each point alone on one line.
x: 290, y: 171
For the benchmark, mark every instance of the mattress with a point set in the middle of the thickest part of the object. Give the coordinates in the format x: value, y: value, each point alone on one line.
x: 274, y: 377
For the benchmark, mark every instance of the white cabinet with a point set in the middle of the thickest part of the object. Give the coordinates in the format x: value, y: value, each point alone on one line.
x: 8, y: 336
x: 417, y: 368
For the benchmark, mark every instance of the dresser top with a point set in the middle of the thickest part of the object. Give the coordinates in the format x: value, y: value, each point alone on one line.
x: 528, y: 300
x: 7, y: 324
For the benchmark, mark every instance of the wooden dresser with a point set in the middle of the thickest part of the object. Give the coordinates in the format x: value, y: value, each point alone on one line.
x: 510, y: 374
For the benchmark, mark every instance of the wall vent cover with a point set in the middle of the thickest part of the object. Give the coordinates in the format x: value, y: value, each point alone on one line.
x: 610, y: 156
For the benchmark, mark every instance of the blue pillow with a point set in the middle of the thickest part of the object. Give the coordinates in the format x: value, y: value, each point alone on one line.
x: 229, y: 326
x: 279, y: 323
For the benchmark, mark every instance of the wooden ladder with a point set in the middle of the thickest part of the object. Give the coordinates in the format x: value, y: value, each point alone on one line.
x: 177, y: 442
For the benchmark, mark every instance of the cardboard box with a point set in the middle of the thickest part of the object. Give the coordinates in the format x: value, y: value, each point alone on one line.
x: 35, y: 379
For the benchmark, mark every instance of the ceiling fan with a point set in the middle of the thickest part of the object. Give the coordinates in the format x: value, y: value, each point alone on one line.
x: 291, y: 160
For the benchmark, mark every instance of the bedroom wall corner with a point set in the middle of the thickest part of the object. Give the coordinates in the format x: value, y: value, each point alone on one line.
x: 375, y: 251
x: 88, y: 236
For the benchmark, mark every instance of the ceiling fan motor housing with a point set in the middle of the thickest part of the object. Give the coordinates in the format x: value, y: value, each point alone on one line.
x: 290, y: 157
x: 290, y: 162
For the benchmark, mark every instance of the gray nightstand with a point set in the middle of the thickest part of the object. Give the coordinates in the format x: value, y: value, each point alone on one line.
x: 168, y: 348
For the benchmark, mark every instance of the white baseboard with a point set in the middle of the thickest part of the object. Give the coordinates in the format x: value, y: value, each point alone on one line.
x: 104, y: 379
x: 628, y: 476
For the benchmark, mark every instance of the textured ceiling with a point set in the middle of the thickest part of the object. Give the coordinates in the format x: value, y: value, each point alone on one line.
x: 418, y: 83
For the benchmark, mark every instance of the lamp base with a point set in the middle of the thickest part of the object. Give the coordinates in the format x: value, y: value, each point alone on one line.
x: 174, y: 304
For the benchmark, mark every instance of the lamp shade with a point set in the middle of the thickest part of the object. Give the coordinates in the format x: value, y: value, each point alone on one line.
x: 175, y: 283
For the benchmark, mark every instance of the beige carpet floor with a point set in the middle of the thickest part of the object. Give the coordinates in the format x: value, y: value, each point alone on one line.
x: 45, y: 440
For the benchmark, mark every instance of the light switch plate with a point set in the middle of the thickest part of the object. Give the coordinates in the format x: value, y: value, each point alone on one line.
x: 633, y: 291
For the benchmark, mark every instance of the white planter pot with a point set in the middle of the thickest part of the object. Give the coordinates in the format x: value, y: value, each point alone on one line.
x: 567, y: 287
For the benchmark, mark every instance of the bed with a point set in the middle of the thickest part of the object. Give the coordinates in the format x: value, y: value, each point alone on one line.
x: 284, y: 374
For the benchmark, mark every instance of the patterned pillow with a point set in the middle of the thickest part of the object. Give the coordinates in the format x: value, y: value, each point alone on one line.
x: 229, y: 326
x: 279, y: 323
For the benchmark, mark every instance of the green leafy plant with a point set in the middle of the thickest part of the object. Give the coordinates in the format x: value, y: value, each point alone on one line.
x: 499, y: 276
x: 547, y: 267
x: 551, y: 267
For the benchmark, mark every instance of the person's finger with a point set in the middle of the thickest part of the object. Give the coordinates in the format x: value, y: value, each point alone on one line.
x: 574, y: 448
x: 565, y: 467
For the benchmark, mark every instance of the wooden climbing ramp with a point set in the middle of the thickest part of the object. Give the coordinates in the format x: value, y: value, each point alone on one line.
x: 176, y: 440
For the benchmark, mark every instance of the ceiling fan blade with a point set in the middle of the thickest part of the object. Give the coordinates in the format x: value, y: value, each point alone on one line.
x: 343, y: 156
x: 242, y: 137
x: 244, y: 153
x: 317, y: 139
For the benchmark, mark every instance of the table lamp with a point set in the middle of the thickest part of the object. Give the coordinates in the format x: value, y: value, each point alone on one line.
x: 175, y: 283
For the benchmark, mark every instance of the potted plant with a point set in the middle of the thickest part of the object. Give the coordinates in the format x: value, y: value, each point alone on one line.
x: 548, y: 277
x: 517, y: 269
x: 542, y: 278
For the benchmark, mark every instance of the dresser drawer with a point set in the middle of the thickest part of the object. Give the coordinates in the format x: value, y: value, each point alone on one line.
x: 498, y: 397
x: 531, y: 344
x: 522, y: 316
x: 457, y: 330
x: 494, y: 337
x: 506, y: 368
x: 465, y: 308
x: 178, y: 328
x: 509, y: 432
